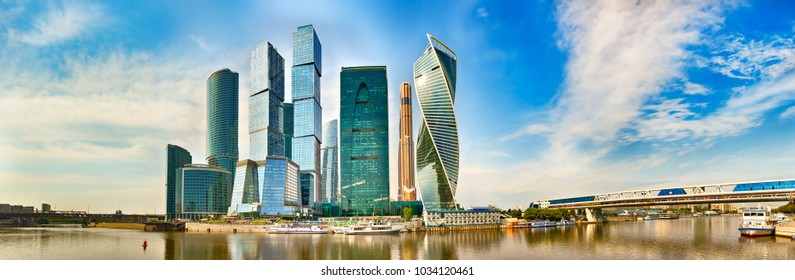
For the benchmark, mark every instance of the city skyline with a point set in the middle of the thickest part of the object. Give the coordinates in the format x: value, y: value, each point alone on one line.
x: 698, y: 92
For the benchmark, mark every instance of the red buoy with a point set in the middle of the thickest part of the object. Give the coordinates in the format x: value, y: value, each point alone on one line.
x: 145, y: 245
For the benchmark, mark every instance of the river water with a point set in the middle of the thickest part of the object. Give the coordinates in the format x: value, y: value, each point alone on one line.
x: 685, y: 238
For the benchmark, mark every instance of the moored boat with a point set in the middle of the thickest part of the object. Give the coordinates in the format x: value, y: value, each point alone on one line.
x: 542, y: 223
x: 756, y: 223
x: 371, y: 229
x: 297, y: 229
x: 668, y: 216
x: 566, y: 223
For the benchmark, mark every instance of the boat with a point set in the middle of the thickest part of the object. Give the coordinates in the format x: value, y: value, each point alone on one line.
x: 566, y: 223
x: 648, y: 218
x: 522, y: 225
x: 779, y: 218
x: 695, y: 215
x: 543, y: 223
x: 297, y: 229
x: 668, y: 216
x: 756, y: 223
x: 370, y: 229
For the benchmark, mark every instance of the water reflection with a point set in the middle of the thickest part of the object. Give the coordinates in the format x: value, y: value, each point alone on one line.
x: 685, y: 238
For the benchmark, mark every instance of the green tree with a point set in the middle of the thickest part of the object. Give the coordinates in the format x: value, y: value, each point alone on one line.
x: 407, y: 213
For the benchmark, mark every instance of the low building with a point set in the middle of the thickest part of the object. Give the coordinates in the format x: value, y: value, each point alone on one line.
x: 469, y: 217
x: 202, y: 190
x: 5, y: 208
x: 46, y: 208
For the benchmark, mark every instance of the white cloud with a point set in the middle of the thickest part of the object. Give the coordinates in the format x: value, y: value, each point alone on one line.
x: 742, y: 58
x: 482, y: 12
x: 60, y: 23
x: 695, y: 89
x: 202, y: 43
x: 788, y: 114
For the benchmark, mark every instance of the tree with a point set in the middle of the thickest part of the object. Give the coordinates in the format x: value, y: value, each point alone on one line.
x: 407, y: 213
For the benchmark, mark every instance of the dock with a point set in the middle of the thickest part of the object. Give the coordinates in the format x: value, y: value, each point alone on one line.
x: 786, y: 230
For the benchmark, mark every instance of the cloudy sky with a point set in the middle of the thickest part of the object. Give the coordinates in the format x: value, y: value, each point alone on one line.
x: 555, y: 98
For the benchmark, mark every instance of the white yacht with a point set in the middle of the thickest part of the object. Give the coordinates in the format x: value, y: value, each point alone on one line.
x: 371, y: 228
x: 756, y: 223
x: 297, y: 229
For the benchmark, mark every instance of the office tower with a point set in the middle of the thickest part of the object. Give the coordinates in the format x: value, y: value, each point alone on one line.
x: 222, y: 102
x: 280, y: 194
x: 406, y: 191
x: 176, y: 157
x: 437, y: 143
x: 202, y: 191
x: 265, y: 103
x: 288, y: 130
x: 308, y: 118
x: 245, y: 189
x: 364, y: 140
x: 329, y: 162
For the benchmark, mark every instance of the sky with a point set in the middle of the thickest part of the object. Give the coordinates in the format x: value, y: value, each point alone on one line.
x: 554, y: 98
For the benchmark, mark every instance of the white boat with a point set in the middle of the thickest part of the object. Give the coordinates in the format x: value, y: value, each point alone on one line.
x: 297, y: 229
x: 543, y: 223
x: 565, y: 223
x: 647, y: 218
x: 370, y: 229
x: 756, y: 223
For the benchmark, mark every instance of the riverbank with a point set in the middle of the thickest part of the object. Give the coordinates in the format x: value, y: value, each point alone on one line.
x: 134, y: 226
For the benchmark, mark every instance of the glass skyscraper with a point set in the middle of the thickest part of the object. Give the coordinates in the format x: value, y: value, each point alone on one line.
x: 437, y: 143
x: 245, y: 190
x: 288, y: 130
x: 222, y: 110
x: 280, y: 194
x: 330, y: 170
x: 306, y: 74
x: 364, y: 140
x: 265, y: 130
x: 202, y: 190
x: 406, y: 190
x: 176, y: 157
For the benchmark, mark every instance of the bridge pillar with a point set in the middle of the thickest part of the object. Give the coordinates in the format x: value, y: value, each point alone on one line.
x: 594, y: 216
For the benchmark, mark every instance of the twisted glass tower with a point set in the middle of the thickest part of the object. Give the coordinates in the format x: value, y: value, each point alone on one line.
x: 329, y: 162
x: 222, y: 102
x: 437, y: 143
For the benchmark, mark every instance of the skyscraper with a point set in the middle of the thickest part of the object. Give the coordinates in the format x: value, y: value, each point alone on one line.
x: 308, y: 116
x: 364, y: 140
x: 330, y: 162
x: 246, y: 187
x: 222, y: 106
x: 287, y: 121
x: 406, y: 190
x: 202, y: 190
x: 265, y: 103
x: 176, y: 157
x: 437, y: 143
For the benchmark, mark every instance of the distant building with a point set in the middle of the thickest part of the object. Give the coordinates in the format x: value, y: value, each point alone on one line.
x: 329, y: 162
x: 266, y: 187
x: 222, y: 113
x: 406, y: 190
x: 46, y: 208
x: 202, y: 191
x: 176, y: 157
x: 265, y: 109
x: 437, y: 142
x: 306, y: 73
x: 364, y: 140
x: 5, y: 208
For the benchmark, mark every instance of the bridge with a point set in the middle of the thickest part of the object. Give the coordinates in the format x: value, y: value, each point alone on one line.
x: 84, y: 217
x: 761, y: 191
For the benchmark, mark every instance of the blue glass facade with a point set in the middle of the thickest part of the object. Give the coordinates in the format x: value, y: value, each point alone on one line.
x: 364, y: 139
x: 437, y: 142
x: 306, y: 73
x: 176, y: 157
x: 288, y: 129
x: 222, y: 112
x: 245, y: 189
x: 266, y: 137
x: 329, y: 162
x: 280, y: 195
x: 202, y: 191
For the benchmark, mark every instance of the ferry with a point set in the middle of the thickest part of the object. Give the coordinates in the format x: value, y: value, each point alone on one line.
x: 370, y: 229
x: 756, y: 223
x: 565, y: 223
x: 543, y: 223
x: 297, y: 229
x: 668, y: 216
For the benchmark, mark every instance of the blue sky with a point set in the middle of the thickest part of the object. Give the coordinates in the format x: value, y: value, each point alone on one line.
x: 555, y: 98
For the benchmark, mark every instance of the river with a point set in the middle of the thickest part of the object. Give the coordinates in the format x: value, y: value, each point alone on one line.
x: 684, y: 238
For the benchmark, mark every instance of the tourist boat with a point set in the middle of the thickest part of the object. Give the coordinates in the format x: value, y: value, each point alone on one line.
x: 780, y: 218
x: 543, y: 223
x: 297, y: 229
x: 647, y: 218
x: 565, y: 223
x: 756, y: 223
x: 668, y: 216
x: 695, y: 215
x: 371, y: 228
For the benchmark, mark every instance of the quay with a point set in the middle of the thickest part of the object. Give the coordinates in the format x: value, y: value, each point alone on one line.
x: 786, y: 230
